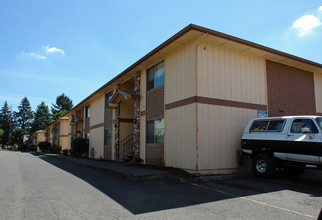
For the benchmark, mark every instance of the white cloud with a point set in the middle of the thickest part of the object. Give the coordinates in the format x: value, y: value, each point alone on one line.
x: 53, y: 50
x: 38, y: 56
x: 320, y: 8
x: 306, y: 24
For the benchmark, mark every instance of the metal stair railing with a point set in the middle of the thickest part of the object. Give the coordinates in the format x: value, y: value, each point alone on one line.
x: 126, y: 149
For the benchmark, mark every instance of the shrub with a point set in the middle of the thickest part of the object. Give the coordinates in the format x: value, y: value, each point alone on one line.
x: 34, y: 148
x: 161, y: 162
x: 44, y: 146
x: 65, y: 152
x: 79, y: 146
x: 31, y: 148
x: 23, y: 147
x: 55, y: 149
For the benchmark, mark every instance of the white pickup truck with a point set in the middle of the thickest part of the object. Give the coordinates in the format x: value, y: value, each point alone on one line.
x: 289, y: 143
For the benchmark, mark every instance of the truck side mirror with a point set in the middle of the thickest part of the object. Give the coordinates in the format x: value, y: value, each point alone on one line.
x: 305, y: 130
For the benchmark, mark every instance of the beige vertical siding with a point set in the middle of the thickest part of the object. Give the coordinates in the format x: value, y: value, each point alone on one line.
x: 126, y: 112
x: 64, y: 143
x: 180, y: 123
x: 97, y: 111
x: 96, y: 136
x: 113, y: 130
x: 69, y: 131
x: 143, y: 90
x: 219, y: 133
x: 229, y: 74
x: 180, y: 137
x: 96, y: 140
x: 64, y: 124
x: 180, y: 69
x: 40, y: 136
x: 127, y: 109
x: 143, y: 138
x: 318, y: 91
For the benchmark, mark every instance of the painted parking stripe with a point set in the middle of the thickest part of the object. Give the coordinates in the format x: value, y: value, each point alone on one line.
x: 292, y: 184
x: 254, y: 201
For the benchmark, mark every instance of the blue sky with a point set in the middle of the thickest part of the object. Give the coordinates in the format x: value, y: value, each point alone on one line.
x: 52, y: 47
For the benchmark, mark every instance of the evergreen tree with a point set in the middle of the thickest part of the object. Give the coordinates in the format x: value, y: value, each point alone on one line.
x: 22, y: 120
x: 24, y: 115
x: 42, y: 118
x: 5, y: 121
x: 63, y: 103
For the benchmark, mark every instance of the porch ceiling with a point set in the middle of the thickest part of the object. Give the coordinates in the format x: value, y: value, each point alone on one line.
x: 119, y: 95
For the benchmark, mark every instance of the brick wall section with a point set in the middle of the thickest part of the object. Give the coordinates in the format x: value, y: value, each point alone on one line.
x: 290, y: 91
x: 153, y: 152
x: 108, y: 120
x: 155, y: 103
x: 87, y: 125
x: 107, y: 153
x: 154, y: 110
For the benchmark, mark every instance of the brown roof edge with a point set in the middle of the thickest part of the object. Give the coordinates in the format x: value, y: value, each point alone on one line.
x: 201, y: 29
x: 258, y: 46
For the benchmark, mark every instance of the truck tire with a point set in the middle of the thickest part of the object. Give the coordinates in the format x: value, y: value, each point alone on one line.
x: 293, y: 171
x: 263, y: 165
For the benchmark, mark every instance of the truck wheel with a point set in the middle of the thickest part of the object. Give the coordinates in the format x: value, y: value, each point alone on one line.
x: 263, y: 165
x: 293, y: 171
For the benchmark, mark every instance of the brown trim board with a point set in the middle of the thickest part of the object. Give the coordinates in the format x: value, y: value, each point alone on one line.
x: 126, y: 120
x: 96, y: 126
x: 64, y: 135
x: 319, y: 114
x: 214, y: 101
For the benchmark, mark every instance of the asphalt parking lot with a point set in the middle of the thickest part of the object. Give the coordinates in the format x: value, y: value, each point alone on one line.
x: 39, y: 187
x: 279, y: 198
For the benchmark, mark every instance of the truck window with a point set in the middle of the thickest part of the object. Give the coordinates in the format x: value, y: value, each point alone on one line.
x: 303, y: 123
x: 319, y: 121
x: 259, y: 125
x: 276, y: 125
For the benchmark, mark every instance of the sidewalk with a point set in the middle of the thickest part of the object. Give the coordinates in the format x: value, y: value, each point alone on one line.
x: 139, y: 174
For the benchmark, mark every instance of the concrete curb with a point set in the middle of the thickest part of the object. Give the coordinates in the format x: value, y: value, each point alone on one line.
x: 158, y: 175
x: 133, y: 177
x: 213, y: 178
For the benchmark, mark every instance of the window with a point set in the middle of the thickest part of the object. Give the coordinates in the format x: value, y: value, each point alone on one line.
x: 259, y: 125
x: 108, y: 98
x: 267, y: 125
x: 319, y: 121
x: 298, y: 124
x: 108, y: 137
x: 87, y: 112
x: 155, y: 76
x: 155, y: 131
x: 276, y: 125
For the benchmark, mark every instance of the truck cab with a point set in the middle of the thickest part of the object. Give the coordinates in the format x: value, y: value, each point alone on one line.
x: 289, y: 143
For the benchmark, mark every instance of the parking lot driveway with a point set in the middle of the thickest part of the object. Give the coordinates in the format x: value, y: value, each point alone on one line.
x: 35, y: 187
x: 278, y: 198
